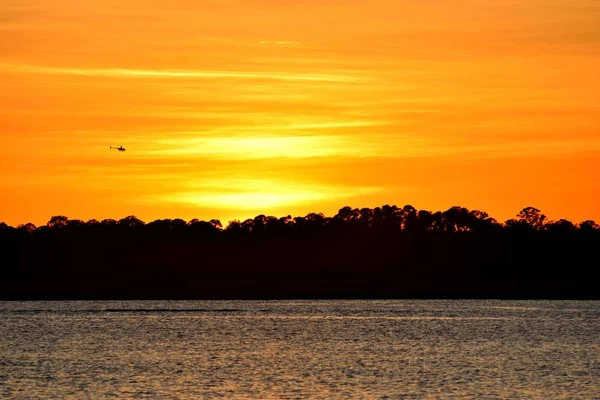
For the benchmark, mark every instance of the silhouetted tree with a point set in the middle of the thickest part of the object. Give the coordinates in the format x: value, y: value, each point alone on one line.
x: 482, y: 222
x: 408, y: 219
x: 58, y: 221
x: 533, y: 217
x: 588, y: 226
x: 426, y: 220
x: 457, y: 219
x: 216, y: 223
x: 131, y: 221
x: 205, y: 229
x: 74, y: 224
x: 178, y: 224
x: 347, y: 214
x: 561, y: 226
x: 387, y: 219
x: 366, y: 216
x: 28, y: 227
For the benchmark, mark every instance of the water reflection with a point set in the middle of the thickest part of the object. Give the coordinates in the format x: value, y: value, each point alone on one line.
x: 300, y: 349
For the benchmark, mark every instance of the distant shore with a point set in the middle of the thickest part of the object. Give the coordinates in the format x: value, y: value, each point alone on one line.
x: 386, y: 252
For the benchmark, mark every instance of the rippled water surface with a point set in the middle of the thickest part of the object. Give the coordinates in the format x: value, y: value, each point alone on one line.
x: 300, y: 349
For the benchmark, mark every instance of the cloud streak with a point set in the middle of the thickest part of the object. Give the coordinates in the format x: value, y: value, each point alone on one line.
x: 177, y: 74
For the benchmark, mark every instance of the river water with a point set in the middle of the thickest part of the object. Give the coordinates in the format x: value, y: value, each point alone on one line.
x: 364, y: 349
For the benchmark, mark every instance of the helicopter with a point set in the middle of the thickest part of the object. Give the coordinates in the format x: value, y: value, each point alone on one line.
x: 118, y: 148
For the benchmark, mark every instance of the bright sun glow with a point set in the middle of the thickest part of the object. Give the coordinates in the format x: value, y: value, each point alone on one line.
x: 252, y: 194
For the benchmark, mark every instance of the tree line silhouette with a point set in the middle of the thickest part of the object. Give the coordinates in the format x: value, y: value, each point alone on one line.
x: 387, y: 251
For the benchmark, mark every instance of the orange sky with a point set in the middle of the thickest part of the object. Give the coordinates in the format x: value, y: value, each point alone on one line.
x: 229, y: 109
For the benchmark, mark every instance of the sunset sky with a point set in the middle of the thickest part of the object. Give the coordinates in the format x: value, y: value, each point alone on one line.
x: 229, y: 109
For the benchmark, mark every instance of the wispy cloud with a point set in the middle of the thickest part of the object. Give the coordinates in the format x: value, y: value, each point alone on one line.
x: 174, y: 74
x: 279, y: 42
x: 263, y: 147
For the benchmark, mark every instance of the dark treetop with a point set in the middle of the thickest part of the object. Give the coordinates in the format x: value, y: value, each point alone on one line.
x: 388, y: 252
